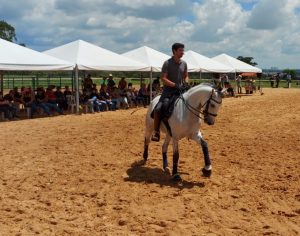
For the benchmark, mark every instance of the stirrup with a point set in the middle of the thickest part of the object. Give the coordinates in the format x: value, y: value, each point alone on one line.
x: 155, y: 136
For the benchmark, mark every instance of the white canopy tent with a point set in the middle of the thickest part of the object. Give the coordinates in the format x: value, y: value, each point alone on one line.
x: 152, y: 58
x: 238, y: 65
x: 204, y: 64
x: 14, y: 57
x: 86, y: 56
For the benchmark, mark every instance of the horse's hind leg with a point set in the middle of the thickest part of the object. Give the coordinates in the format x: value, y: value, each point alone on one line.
x: 175, y: 175
x: 164, y: 154
x: 146, y: 147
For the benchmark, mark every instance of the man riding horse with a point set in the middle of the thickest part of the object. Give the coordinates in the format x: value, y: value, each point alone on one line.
x: 175, y: 79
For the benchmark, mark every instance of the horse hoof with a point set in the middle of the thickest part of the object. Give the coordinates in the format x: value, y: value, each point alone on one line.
x: 176, y: 178
x: 206, y: 173
x: 167, y: 170
x: 145, y: 156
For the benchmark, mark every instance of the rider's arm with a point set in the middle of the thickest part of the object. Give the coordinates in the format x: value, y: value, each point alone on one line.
x: 186, y: 77
x: 166, y: 81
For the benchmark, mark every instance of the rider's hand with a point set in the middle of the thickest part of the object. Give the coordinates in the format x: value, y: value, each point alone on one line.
x: 180, y: 87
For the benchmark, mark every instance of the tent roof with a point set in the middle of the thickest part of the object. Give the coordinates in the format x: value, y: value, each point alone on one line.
x: 152, y: 58
x: 14, y: 57
x: 238, y: 65
x: 91, y: 57
x: 205, y: 64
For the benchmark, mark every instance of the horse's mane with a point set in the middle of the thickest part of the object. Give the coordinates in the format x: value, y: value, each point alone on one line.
x: 201, y: 85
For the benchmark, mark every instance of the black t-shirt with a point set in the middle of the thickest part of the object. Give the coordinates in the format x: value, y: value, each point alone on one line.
x: 39, y: 97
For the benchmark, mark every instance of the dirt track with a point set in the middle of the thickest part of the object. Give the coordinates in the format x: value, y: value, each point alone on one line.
x: 75, y: 175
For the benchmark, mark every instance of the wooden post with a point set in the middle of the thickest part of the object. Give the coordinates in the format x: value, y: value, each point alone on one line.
x: 1, y: 83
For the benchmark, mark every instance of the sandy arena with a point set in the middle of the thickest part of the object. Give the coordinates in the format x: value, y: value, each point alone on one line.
x: 76, y: 175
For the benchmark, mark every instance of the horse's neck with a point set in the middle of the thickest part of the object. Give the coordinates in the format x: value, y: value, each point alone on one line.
x: 197, y: 96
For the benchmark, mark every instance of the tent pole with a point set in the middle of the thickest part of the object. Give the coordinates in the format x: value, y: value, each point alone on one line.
x: 151, y: 85
x: 76, y: 89
x: 1, y: 83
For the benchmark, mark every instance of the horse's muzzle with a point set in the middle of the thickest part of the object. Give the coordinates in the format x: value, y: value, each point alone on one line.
x: 209, y: 121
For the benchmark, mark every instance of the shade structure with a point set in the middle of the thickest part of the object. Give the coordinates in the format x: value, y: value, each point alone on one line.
x: 14, y: 57
x: 151, y: 57
x: 91, y: 57
x: 199, y: 63
x: 238, y: 65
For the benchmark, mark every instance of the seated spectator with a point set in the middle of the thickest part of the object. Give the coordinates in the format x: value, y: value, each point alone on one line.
x: 131, y: 96
x: 104, y: 96
x: 88, y: 83
x: 84, y: 99
x: 28, y: 99
x: 156, y: 89
x: 8, y: 110
x: 67, y: 91
x: 61, y: 99
x: 143, y: 95
x: 230, y: 90
x: 122, y: 84
x: 98, y: 103
x: 43, y: 101
x: 122, y: 96
x: 17, y: 98
x: 10, y: 99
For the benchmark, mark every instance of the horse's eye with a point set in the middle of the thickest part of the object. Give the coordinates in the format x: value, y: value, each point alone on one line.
x: 213, y: 105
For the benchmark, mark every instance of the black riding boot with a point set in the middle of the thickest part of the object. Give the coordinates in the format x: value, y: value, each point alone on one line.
x: 156, y: 135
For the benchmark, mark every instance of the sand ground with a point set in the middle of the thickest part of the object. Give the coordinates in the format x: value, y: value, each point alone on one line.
x: 76, y: 175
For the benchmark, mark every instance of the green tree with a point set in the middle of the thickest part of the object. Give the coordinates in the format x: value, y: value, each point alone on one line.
x: 247, y: 60
x: 291, y: 72
x: 7, y: 31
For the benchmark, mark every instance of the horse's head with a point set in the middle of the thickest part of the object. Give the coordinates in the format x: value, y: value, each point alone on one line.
x: 212, y: 105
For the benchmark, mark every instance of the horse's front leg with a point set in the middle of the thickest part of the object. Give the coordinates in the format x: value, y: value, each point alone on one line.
x: 164, y: 154
x: 175, y: 175
x: 146, y: 147
x: 207, y: 170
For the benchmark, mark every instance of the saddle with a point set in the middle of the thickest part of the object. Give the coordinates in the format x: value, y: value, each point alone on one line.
x: 166, y: 112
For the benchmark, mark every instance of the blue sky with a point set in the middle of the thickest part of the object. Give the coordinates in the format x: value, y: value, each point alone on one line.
x: 267, y: 30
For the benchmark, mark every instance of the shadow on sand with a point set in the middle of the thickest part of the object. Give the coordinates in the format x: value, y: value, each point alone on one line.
x: 140, y: 173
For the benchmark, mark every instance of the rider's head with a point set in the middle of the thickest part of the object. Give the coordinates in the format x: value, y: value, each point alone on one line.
x: 178, y: 49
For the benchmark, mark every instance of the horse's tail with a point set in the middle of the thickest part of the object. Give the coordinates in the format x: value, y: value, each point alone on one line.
x: 149, y: 120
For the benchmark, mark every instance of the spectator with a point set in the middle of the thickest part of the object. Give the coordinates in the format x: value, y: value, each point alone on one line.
x: 289, y: 80
x: 130, y: 93
x: 43, y: 101
x: 11, y: 101
x: 61, y: 99
x: 67, y: 91
x: 277, y: 78
x: 110, y: 83
x: 8, y: 110
x: 239, y: 83
x: 104, y: 96
x: 122, y: 84
x: 28, y: 99
x: 104, y: 81
x: 143, y: 95
x: 88, y: 83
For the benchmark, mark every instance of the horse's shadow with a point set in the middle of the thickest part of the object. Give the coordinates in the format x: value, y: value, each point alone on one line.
x: 140, y: 173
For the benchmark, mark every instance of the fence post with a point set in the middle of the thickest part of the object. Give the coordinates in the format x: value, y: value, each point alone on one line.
x: 33, y: 83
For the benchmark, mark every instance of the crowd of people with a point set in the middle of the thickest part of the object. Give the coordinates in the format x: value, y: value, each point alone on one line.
x: 110, y: 96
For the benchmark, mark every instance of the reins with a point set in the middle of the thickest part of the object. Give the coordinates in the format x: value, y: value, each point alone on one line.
x: 200, y: 111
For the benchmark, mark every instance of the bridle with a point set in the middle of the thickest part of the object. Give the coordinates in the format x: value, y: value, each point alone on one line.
x: 202, y: 110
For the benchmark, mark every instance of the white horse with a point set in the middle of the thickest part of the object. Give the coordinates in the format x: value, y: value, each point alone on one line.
x: 200, y: 102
